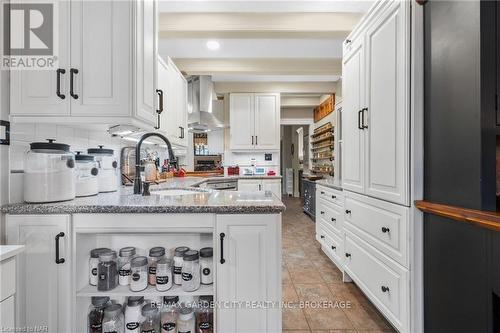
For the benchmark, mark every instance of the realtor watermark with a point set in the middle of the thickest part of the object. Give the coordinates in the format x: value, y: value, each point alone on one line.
x: 41, y: 328
x: 30, y: 35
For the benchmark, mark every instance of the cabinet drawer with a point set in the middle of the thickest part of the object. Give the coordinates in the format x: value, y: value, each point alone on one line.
x: 332, y: 216
x: 382, y: 280
x: 7, y: 278
x: 330, y: 195
x: 382, y: 224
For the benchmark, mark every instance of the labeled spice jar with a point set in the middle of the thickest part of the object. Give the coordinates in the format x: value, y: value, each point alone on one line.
x: 133, y: 314
x: 113, y: 321
x: 168, y: 318
x: 151, y: 323
x: 191, y: 271
x: 93, y: 262
x: 205, y: 315
x: 186, y: 321
x: 178, y: 260
x: 164, y: 274
x: 155, y: 255
x: 96, y: 314
x: 206, y: 265
x: 126, y: 254
x: 138, y: 273
x: 107, y: 271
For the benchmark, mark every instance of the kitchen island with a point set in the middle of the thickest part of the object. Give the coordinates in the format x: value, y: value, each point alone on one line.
x: 243, y: 228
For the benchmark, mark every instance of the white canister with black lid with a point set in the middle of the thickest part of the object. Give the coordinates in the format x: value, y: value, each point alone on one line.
x: 108, y: 168
x: 49, y: 172
x: 86, y: 175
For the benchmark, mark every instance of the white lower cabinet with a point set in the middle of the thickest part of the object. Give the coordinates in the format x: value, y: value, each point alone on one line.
x: 44, y: 273
x: 248, y: 269
x: 256, y: 185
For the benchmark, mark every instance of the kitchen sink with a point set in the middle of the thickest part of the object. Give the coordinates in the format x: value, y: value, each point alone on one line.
x: 177, y: 191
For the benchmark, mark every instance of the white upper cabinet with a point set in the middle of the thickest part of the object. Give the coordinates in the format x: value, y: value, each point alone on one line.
x: 101, y: 81
x: 375, y: 126
x: 107, y: 67
x: 387, y: 117
x: 35, y: 92
x: 255, y: 121
x: 352, y: 135
x: 172, y: 88
x: 248, y: 260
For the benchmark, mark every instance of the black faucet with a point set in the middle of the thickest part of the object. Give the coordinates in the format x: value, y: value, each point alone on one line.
x: 171, y: 156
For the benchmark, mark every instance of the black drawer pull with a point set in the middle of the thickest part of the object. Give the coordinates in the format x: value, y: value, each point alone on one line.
x: 334, y: 219
x: 347, y: 255
x: 72, y: 71
x: 322, y: 213
x: 58, y: 88
x: 322, y: 192
x: 334, y: 197
x: 322, y: 237
x: 348, y: 211
x: 385, y: 230
x: 385, y: 289
x: 334, y: 247
x: 59, y: 260
x: 222, y: 235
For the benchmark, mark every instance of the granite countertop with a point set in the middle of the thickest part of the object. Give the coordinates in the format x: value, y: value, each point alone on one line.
x: 125, y: 202
x: 8, y: 251
x: 328, y: 183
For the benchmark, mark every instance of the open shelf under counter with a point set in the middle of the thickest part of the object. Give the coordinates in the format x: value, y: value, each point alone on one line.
x: 150, y: 291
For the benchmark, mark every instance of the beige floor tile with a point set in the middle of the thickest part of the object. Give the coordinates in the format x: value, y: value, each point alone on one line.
x: 289, y: 293
x: 313, y: 292
x: 294, y: 319
x: 320, y: 319
x: 285, y: 276
x: 304, y: 276
x: 362, y: 318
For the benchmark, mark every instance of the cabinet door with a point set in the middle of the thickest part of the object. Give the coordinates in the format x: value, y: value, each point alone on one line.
x: 181, y: 92
x: 387, y: 101
x: 352, y: 136
x: 43, y: 291
x: 166, y: 84
x: 34, y: 92
x: 242, y: 121
x: 272, y: 185
x: 146, y: 60
x: 7, y: 312
x: 100, y: 51
x: 267, y: 121
x: 251, y: 249
x: 249, y: 185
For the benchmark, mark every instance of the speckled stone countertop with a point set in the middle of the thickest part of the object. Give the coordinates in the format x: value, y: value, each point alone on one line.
x: 125, y: 202
x: 328, y: 183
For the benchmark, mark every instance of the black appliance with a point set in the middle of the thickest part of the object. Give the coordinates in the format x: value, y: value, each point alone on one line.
x: 309, y: 207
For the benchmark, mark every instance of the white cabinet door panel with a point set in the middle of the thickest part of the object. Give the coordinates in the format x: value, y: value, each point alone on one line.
x: 251, y: 249
x: 272, y: 185
x: 267, y: 119
x: 44, y: 287
x: 7, y: 314
x: 353, y: 144
x: 100, y: 51
x: 242, y: 121
x: 249, y: 185
x: 33, y: 92
x: 387, y: 101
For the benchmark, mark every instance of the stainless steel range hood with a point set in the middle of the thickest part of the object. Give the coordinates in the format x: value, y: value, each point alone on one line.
x: 205, y: 112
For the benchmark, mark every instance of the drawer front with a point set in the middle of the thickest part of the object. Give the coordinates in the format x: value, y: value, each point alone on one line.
x: 382, y: 224
x: 332, y: 244
x: 332, y: 216
x: 385, y: 283
x: 7, y: 278
x: 330, y: 195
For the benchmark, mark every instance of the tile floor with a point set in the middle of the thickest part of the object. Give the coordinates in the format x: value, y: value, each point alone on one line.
x: 309, y: 275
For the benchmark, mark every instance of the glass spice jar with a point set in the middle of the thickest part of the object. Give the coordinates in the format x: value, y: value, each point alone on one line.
x: 151, y: 323
x: 93, y: 263
x: 139, y: 273
x: 133, y: 314
x: 126, y: 254
x: 178, y: 260
x: 96, y: 314
x: 186, y: 320
x: 168, y: 318
x: 191, y: 271
x: 113, y: 321
x: 107, y: 271
x: 155, y: 255
x: 164, y: 274
x: 205, y: 315
x: 206, y: 265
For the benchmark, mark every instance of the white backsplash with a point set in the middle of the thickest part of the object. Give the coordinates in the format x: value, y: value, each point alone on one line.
x: 244, y: 160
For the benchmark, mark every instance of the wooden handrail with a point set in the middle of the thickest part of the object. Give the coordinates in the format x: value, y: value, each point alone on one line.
x: 484, y: 219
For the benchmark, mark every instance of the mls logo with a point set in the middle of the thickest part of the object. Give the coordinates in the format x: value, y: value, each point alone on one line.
x: 29, y: 29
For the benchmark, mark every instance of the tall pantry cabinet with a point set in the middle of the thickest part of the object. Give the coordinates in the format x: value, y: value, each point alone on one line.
x: 376, y: 113
x: 106, y: 67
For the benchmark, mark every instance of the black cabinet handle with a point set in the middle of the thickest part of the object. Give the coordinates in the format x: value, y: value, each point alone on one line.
x: 222, y: 235
x: 322, y: 192
x: 59, y: 260
x: 347, y: 41
x: 322, y: 213
x: 334, y: 197
x: 348, y: 211
x: 385, y: 289
x: 322, y: 237
x: 182, y: 132
x: 252, y: 140
x: 363, y: 118
x: 256, y: 140
x: 334, y: 247
x: 385, y: 230
x: 347, y: 255
x: 58, y: 91
x: 359, y: 120
x: 334, y: 219
x: 73, y: 71
x: 160, y: 101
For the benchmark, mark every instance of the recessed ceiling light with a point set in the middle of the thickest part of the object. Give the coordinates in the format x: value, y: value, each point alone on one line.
x: 213, y: 45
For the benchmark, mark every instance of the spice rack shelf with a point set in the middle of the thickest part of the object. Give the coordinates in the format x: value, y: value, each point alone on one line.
x: 322, y: 149
x: 150, y: 291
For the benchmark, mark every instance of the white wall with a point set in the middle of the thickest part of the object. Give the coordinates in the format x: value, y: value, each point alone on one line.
x: 293, y: 114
